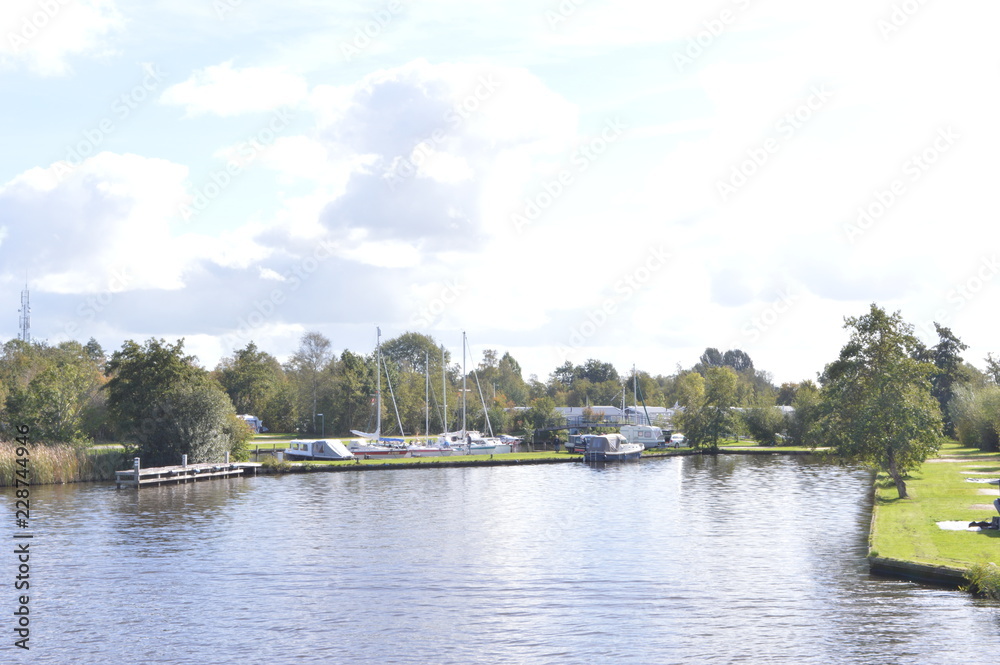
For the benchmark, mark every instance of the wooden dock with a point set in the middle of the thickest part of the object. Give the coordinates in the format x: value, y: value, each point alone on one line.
x: 185, y: 473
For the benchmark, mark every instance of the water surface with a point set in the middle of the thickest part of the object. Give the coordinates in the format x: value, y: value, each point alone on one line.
x: 682, y: 560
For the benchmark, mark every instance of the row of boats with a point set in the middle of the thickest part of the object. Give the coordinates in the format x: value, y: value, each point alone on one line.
x: 628, y: 444
x: 598, y: 448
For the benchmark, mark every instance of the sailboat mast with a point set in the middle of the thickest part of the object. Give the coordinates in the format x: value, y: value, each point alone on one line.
x: 635, y: 402
x: 378, y: 382
x: 427, y: 394
x: 444, y: 391
x: 463, y: 384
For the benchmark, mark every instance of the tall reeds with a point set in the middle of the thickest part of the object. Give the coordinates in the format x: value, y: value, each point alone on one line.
x: 62, y: 463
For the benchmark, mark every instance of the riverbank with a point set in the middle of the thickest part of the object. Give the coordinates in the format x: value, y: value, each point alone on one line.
x: 907, y: 539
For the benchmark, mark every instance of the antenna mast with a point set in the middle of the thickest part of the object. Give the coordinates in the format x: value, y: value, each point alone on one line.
x: 25, y: 319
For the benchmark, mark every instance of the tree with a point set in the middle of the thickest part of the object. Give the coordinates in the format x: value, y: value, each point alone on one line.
x: 708, y: 412
x: 950, y: 371
x: 54, y: 390
x: 308, y: 366
x: 169, y: 405
x: 993, y: 368
x: 764, y: 423
x: 806, y: 404
x: 711, y: 358
x: 738, y: 360
x: 877, y: 405
x: 977, y: 416
x: 250, y: 378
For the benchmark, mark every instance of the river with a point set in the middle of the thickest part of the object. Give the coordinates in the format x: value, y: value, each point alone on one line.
x: 735, y: 559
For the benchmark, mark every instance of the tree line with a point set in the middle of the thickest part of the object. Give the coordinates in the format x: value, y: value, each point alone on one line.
x: 157, y: 398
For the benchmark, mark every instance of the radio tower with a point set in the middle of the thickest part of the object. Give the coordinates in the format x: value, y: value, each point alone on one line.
x: 25, y: 314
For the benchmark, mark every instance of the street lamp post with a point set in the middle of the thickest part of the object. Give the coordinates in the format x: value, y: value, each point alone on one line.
x: 322, y: 422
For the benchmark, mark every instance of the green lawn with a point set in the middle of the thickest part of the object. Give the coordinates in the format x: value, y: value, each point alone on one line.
x: 907, y: 529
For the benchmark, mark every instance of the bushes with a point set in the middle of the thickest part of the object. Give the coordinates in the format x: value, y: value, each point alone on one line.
x: 977, y: 417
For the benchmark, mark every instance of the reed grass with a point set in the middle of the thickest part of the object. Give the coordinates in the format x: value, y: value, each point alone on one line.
x: 49, y: 464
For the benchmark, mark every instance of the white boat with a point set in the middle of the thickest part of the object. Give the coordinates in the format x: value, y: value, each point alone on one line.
x: 611, y: 448
x: 317, y: 449
x: 649, y: 436
x: 471, y: 442
x: 373, y: 444
x: 380, y: 448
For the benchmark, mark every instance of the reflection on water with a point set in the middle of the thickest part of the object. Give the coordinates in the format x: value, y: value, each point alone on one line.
x: 728, y: 559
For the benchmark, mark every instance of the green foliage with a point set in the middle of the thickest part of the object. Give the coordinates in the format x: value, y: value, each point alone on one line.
x: 976, y: 414
x: 764, y: 424
x: 709, y: 416
x: 170, y: 406
x: 311, y: 372
x: 984, y: 580
x: 807, y: 410
x: 56, y: 391
x: 877, y: 405
x: 950, y: 372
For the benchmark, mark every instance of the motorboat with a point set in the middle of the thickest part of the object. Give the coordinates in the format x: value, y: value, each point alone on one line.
x: 611, y: 448
x: 317, y: 449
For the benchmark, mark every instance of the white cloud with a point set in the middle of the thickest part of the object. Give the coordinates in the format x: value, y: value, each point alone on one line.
x: 46, y: 35
x: 78, y: 227
x: 225, y: 91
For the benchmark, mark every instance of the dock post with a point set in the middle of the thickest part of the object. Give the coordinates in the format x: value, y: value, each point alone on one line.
x: 227, y: 457
x: 184, y: 461
x: 135, y: 470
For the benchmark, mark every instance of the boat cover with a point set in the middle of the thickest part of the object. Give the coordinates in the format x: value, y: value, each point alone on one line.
x: 605, y: 443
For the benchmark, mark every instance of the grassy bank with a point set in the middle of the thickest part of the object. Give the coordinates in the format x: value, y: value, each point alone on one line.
x: 940, y: 491
x: 62, y: 463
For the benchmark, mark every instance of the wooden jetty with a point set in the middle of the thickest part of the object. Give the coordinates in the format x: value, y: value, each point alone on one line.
x: 184, y: 473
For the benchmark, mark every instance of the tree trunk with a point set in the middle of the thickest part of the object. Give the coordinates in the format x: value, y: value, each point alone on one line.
x: 897, y: 478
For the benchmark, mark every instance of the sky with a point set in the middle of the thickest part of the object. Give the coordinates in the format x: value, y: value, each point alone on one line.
x: 631, y: 181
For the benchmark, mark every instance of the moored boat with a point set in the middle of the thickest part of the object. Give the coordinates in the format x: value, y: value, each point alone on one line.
x: 317, y: 449
x: 611, y: 448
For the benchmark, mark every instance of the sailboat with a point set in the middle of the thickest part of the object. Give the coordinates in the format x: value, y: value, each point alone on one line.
x: 373, y: 444
x: 471, y: 442
x: 648, y: 435
x: 441, y: 446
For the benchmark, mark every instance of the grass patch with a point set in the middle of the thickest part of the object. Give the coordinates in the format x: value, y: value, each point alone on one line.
x: 907, y: 529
